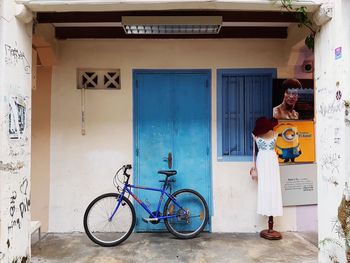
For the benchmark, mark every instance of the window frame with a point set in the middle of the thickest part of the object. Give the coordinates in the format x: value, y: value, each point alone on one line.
x: 219, y: 110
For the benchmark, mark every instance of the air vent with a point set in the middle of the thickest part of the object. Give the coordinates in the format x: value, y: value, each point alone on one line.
x: 98, y: 79
x: 155, y: 25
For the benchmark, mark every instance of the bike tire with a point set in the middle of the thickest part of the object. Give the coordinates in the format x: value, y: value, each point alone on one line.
x: 126, y: 207
x: 186, y: 230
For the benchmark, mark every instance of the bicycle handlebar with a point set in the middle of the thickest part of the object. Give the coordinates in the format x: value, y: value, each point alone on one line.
x: 126, y: 168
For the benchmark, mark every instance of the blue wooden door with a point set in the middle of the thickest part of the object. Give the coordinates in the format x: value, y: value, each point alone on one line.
x: 172, y: 115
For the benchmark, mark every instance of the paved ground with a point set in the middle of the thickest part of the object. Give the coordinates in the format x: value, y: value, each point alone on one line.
x: 164, y: 248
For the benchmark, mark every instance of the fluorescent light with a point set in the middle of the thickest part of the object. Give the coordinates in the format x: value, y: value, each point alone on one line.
x: 148, y: 25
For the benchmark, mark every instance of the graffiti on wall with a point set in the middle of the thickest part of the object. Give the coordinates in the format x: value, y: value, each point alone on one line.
x: 15, y: 132
x: 330, y: 160
x: 335, y: 246
x: 330, y: 157
x: 17, y: 220
x: 16, y: 127
x: 330, y: 109
x: 330, y: 163
x: 19, y: 206
x: 15, y: 57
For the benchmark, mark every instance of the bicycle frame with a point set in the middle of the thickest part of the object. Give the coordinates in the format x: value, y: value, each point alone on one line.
x: 127, y: 189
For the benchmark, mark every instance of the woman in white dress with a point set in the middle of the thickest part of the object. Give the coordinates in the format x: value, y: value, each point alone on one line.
x: 267, y: 167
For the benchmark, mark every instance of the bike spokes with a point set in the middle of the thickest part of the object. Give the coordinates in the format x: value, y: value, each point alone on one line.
x: 104, y: 229
x: 188, y: 214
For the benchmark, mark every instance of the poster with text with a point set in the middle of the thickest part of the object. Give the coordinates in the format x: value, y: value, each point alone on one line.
x: 299, y: 184
x: 293, y: 99
x: 295, y: 141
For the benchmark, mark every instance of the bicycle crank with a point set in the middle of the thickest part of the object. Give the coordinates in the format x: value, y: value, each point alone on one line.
x: 152, y: 219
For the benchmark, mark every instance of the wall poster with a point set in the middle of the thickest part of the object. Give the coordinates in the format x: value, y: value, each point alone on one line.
x: 293, y: 99
x: 17, y: 117
x: 295, y: 142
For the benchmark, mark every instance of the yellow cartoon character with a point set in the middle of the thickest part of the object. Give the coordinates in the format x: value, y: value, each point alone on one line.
x: 287, y: 144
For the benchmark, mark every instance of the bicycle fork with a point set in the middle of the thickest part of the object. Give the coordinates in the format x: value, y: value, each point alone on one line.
x: 120, y: 199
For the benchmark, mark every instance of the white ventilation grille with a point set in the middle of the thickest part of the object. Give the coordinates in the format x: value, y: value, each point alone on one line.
x: 153, y: 25
x: 98, y: 79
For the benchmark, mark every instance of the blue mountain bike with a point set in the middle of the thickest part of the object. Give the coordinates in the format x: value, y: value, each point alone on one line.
x: 110, y: 218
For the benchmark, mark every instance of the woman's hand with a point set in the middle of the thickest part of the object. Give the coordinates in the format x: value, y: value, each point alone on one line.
x: 253, y: 173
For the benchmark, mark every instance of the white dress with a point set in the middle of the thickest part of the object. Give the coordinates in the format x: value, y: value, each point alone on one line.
x: 269, y: 182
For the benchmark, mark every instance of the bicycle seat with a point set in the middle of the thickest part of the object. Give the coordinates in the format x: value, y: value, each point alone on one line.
x: 167, y: 172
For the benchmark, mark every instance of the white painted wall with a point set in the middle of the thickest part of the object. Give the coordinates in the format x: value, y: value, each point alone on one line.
x: 332, y: 155
x: 82, y: 167
x: 2, y: 90
x: 40, y: 164
x: 15, y: 85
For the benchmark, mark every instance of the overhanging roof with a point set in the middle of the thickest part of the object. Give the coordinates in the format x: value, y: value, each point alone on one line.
x: 124, y: 5
x: 240, y: 18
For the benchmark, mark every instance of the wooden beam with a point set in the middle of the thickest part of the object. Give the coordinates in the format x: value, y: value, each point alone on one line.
x: 228, y: 16
x: 118, y: 32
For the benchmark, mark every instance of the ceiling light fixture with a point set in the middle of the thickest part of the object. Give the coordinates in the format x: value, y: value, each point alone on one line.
x: 155, y: 25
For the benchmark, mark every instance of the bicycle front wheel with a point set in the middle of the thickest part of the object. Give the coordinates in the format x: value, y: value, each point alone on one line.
x: 104, y: 230
x: 189, y: 214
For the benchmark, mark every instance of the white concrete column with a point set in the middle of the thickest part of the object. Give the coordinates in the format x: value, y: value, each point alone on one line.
x: 332, y: 75
x: 15, y: 132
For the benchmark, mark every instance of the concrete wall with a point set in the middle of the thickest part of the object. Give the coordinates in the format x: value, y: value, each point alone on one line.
x: 333, y: 75
x: 41, y: 129
x: 82, y: 167
x: 15, y: 135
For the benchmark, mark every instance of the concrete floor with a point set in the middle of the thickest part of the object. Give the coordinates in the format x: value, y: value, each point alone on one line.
x: 164, y: 248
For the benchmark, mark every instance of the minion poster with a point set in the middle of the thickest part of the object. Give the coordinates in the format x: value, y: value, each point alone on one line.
x: 295, y: 142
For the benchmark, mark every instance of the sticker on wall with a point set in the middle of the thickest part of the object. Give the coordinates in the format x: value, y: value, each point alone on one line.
x: 295, y: 142
x: 98, y: 79
x: 338, y: 95
x: 338, y: 53
x: 17, y: 117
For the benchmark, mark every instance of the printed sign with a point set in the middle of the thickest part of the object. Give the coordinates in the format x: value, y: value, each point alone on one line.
x: 295, y: 142
x: 299, y: 184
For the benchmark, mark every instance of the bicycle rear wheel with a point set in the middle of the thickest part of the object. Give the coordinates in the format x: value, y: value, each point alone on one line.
x: 98, y: 226
x: 190, y: 214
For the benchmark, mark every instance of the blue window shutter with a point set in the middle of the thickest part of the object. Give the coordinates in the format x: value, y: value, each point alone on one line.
x: 253, y: 100
x: 267, y: 86
x: 232, y: 109
x: 225, y: 116
x: 233, y: 115
x: 243, y: 96
x: 257, y: 104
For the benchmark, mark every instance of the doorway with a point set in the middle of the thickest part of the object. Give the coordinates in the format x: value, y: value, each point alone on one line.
x: 172, y: 117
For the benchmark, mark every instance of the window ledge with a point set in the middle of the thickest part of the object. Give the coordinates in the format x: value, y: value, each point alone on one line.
x: 247, y: 158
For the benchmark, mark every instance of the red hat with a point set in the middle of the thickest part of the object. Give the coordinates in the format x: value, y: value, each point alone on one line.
x: 263, y: 125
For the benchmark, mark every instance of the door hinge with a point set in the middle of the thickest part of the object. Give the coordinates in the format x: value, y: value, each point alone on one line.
x: 137, y: 151
x: 207, y: 83
x: 208, y: 150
